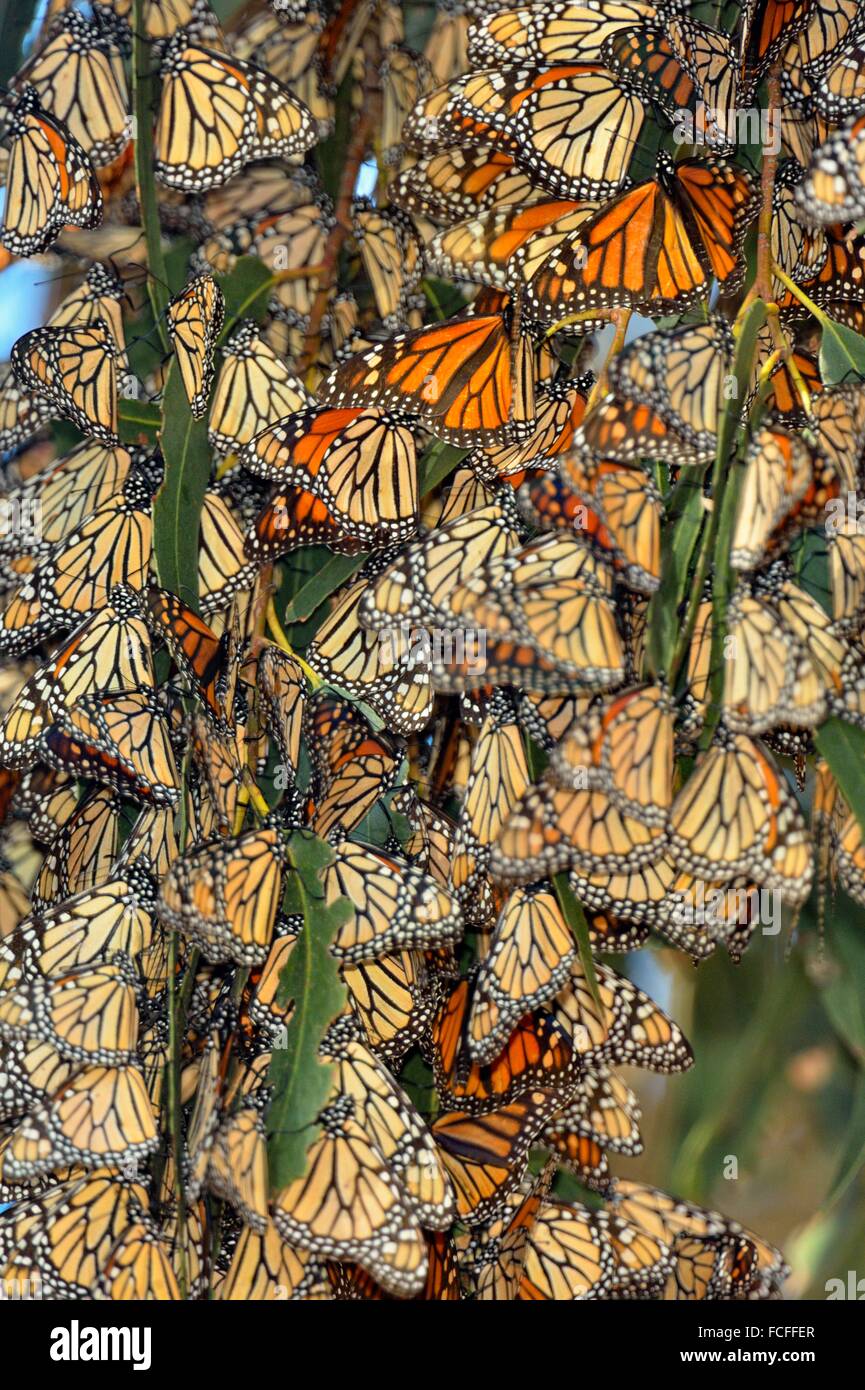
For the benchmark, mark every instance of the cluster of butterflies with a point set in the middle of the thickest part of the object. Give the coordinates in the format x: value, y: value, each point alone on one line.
x: 472, y: 721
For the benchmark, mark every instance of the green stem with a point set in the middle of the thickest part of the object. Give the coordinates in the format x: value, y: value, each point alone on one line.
x: 798, y: 293
x: 143, y: 97
x: 576, y: 919
x: 675, y: 641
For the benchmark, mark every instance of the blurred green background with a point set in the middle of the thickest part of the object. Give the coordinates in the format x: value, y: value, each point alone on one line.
x: 777, y: 1085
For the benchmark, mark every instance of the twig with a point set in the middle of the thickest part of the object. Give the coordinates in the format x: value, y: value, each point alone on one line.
x: 282, y: 641
x: 621, y: 318
x: 762, y: 286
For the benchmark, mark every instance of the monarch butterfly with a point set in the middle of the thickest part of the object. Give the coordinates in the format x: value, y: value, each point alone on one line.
x: 492, y: 1253
x: 195, y: 319
x: 559, y: 408
x: 667, y: 1217
x: 237, y: 1168
x: 264, y: 1008
x: 417, y: 586
x: 68, y: 1232
x: 796, y: 250
x: 162, y: 17
x: 185, y: 1240
x: 686, y: 911
x: 99, y: 296
x: 786, y: 486
x: 288, y: 40
x: 101, y: 1115
x: 464, y: 378
x: 623, y: 747
x: 839, y: 91
x: 767, y: 29
x: 431, y: 842
x: 200, y: 655
x: 483, y: 249
x: 687, y: 68
x: 574, y: 1254
x: 554, y: 596
x: 456, y: 184
x: 293, y: 240
x: 714, y: 1267
x: 839, y: 415
x: 390, y: 1120
x: 680, y: 374
x: 847, y: 574
x: 217, y: 114
x: 112, y: 547
x: 832, y: 190
x: 396, y: 907
x: 615, y: 510
x: 282, y: 703
x: 392, y: 1000
x: 528, y: 961
x: 802, y: 127
x: 21, y: 414
x: 85, y: 928
x: 828, y: 29
x: 293, y: 518
x: 392, y: 257
x: 224, y: 896
x: 787, y: 663
x: 839, y: 280
x: 390, y: 673
x: 78, y: 76
x: 467, y: 493
x: 485, y: 1155
x: 835, y: 825
x: 784, y: 399
x: 51, y: 182
x: 360, y: 463
x: 139, y: 1266
x: 266, y: 1268
x: 322, y: 1211
x: 629, y: 1027
x: 263, y: 190
x: 223, y: 569
x: 32, y: 1070
x: 604, y: 1109
x: 572, y: 127
x: 442, y: 1282
x: 254, y: 390
x: 736, y: 815
x: 536, y: 1051
x: 75, y: 370
x: 553, y: 828
x: 66, y: 492
x: 654, y: 247
x: 573, y: 35
x: 497, y: 779
x: 82, y: 853
x: 14, y: 903
x: 150, y: 843
x: 89, y: 1014
x: 117, y: 737
x: 110, y: 649
x: 351, y: 766
x: 405, y: 75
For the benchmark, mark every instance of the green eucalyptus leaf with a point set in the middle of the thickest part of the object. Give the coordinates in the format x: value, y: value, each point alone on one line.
x: 300, y: 1080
